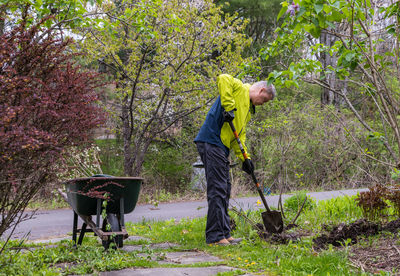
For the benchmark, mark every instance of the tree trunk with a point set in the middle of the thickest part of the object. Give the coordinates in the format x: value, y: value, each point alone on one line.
x: 127, y: 138
x: 2, y: 24
x: 2, y: 21
x: 327, y: 96
x: 342, y: 86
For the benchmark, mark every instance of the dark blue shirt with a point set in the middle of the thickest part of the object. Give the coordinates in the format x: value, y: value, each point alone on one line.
x: 210, y: 132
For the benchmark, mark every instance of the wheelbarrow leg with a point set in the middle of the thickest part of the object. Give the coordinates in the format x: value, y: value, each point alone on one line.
x: 98, y: 213
x: 83, y: 230
x: 75, y: 227
x: 121, y: 212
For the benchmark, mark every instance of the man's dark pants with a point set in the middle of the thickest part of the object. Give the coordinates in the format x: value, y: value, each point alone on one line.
x: 216, y: 165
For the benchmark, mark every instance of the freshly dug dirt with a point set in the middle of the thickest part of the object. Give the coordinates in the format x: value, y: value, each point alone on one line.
x: 341, y: 233
x: 360, y: 228
x: 336, y: 235
x: 392, y: 226
x: 282, y: 238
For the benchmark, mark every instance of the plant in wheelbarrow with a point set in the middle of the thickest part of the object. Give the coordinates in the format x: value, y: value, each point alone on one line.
x: 108, y: 199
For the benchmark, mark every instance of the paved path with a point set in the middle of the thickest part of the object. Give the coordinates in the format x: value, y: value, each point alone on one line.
x: 55, y: 223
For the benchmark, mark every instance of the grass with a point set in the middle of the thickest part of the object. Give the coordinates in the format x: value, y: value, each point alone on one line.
x: 252, y: 255
x: 51, y: 204
x: 88, y: 258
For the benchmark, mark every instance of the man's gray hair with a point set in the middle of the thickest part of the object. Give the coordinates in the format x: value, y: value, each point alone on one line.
x: 270, y: 88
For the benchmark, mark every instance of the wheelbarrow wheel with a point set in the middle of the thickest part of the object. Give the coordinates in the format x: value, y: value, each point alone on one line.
x: 115, y: 227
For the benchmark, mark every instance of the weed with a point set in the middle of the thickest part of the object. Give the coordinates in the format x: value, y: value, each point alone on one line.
x: 332, y: 211
x: 294, y: 203
x: 393, y: 195
x: 86, y: 259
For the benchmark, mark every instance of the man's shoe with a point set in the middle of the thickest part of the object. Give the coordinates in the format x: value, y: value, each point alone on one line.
x: 234, y: 241
x: 222, y: 242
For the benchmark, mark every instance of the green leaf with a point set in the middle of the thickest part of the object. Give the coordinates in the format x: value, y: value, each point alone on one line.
x: 282, y: 12
x: 346, y: 11
x: 321, y: 20
x: 307, y: 28
x: 37, y: 4
x: 297, y: 28
x: 330, y: 24
x: 361, y: 15
x: 336, y: 16
x: 336, y: 4
x: 327, y: 8
x: 301, y: 12
x: 392, y: 31
x: 353, y: 65
x: 349, y: 56
x: 318, y: 8
x: 291, y: 83
x: 315, y: 21
x: 315, y: 31
x: 48, y: 23
x: 270, y: 81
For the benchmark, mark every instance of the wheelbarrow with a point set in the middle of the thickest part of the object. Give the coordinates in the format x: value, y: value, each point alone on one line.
x: 108, y: 198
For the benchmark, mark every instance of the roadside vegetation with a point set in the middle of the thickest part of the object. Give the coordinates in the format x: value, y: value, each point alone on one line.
x: 296, y: 256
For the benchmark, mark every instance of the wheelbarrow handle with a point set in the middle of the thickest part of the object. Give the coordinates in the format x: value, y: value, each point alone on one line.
x: 252, y: 174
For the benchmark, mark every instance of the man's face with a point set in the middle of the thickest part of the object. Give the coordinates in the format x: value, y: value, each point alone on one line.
x: 261, y: 97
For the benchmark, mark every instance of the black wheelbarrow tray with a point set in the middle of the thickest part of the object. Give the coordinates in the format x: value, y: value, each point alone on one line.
x: 108, y: 198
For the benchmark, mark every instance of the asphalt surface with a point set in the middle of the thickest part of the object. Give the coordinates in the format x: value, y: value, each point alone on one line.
x: 56, y: 223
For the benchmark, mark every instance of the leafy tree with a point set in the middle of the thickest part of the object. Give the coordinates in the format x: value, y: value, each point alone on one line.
x: 64, y: 14
x: 262, y: 18
x: 47, y: 105
x: 367, y: 57
x: 261, y: 15
x: 164, y: 56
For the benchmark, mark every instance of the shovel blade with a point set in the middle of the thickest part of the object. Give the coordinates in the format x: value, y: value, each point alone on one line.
x: 272, y: 221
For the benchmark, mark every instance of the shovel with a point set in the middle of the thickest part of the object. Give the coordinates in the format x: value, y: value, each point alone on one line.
x: 272, y: 219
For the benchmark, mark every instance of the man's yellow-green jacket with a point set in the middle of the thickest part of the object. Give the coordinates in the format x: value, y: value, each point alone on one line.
x: 232, y: 94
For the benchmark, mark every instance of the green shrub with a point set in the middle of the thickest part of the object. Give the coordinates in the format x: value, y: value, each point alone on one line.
x: 306, y: 146
x: 168, y: 168
x: 294, y: 203
x: 111, y: 156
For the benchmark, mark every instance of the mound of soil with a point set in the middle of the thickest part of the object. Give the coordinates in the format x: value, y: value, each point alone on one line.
x: 281, y: 238
x: 337, y: 236
x: 392, y: 226
x: 341, y: 233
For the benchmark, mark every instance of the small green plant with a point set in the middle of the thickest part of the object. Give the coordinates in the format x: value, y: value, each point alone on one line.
x: 393, y: 195
x: 395, y: 174
x: 331, y: 211
x: 154, y: 202
x: 104, y: 211
x: 294, y: 203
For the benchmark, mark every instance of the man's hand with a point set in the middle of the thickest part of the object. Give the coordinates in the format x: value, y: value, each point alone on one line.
x: 248, y: 166
x: 229, y: 115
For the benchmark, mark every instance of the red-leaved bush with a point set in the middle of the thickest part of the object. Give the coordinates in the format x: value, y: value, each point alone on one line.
x: 47, y: 104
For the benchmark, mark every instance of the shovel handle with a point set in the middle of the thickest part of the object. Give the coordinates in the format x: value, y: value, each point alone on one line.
x: 246, y: 157
x: 260, y: 192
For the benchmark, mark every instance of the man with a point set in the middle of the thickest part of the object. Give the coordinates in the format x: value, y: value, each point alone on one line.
x: 235, y: 103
